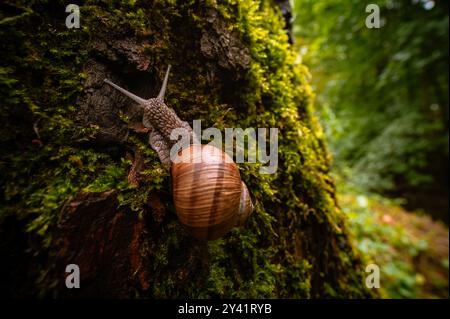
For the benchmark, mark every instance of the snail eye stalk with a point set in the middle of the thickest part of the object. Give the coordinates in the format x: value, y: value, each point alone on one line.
x: 162, y: 92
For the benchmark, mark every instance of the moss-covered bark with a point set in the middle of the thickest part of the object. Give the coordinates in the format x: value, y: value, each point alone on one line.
x: 68, y: 143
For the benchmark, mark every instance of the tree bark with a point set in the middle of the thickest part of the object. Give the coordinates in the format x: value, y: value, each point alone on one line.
x: 82, y: 186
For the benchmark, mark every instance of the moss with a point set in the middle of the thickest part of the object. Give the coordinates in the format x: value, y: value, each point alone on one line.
x: 276, y: 254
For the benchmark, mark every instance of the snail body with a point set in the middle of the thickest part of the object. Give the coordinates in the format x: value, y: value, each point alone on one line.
x: 209, y: 196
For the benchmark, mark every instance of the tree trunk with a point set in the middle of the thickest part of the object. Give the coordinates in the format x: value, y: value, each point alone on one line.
x: 81, y: 185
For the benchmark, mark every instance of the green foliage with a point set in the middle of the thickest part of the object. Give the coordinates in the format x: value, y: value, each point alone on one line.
x: 382, y: 93
x: 383, y: 102
x: 411, y: 250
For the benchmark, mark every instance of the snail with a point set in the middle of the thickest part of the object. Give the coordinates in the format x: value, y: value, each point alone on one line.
x: 209, y: 196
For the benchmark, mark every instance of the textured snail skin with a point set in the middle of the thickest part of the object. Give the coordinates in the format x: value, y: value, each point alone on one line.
x: 208, y: 193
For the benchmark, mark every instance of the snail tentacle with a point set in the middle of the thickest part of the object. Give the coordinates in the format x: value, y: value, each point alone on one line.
x: 162, y: 92
x: 132, y: 96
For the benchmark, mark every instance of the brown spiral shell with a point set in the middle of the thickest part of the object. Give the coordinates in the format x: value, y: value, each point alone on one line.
x: 207, y: 191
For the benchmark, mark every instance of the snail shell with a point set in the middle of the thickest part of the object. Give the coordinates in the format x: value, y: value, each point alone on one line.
x: 209, y: 195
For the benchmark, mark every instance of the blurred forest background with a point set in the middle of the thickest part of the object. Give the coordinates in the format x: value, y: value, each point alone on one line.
x: 382, y: 97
